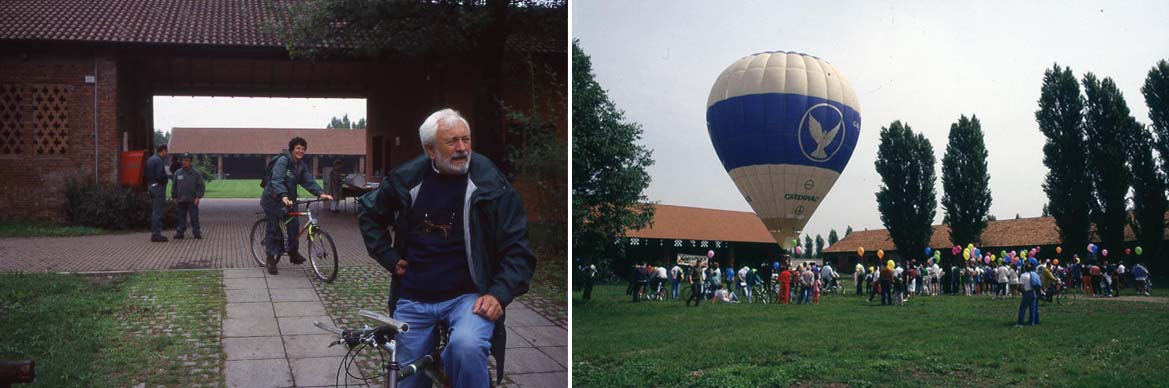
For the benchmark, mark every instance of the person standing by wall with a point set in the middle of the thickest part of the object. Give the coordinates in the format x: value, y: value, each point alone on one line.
x: 333, y: 185
x: 187, y: 191
x: 156, y: 182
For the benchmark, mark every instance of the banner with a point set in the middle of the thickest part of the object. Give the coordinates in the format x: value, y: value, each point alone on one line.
x: 691, y: 260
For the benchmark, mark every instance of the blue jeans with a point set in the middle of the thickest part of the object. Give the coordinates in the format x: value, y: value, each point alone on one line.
x: 465, y: 357
x: 157, y: 206
x: 674, y: 289
x: 1030, y: 302
x: 188, y: 209
x: 805, y: 295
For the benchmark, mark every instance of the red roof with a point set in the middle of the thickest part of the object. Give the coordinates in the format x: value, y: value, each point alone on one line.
x: 265, y: 141
x: 167, y: 22
x: 1023, y: 232
x: 692, y: 223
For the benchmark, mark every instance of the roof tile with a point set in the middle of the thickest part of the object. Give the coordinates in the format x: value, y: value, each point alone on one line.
x: 265, y: 141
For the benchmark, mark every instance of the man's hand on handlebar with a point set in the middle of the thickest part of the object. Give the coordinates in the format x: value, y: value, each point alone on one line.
x: 286, y: 201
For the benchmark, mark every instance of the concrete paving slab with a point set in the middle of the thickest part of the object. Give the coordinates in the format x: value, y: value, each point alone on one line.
x: 244, y: 283
x: 250, y: 310
x: 238, y: 273
x: 295, y: 295
x: 299, y: 309
x: 556, y: 353
x: 543, y: 380
x: 529, y: 360
x: 294, y: 279
x: 302, y: 325
x: 541, y: 336
x: 313, y: 346
x: 525, y: 318
x: 515, y: 340
x: 321, y: 372
x: 258, y: 373
x: 253, y: 348
x: 248, y: 295
x: 254, y: 327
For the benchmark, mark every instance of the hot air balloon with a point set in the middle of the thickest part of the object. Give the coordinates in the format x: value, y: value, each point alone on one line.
x: 784, y: 126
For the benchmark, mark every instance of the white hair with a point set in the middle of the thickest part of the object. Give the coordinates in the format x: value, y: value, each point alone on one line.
x: 429, y: 127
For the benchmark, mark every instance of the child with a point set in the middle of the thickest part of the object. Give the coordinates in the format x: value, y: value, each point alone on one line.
x: 816, y: 290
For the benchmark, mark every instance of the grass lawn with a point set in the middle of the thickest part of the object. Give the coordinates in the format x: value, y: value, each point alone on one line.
x: 33, y: 229
x: 158, y: 328
x: 244, y: 188
x: 940, y: 341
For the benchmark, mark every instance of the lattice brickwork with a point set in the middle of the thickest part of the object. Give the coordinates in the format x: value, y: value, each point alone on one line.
x: 51, y: 118
x: 11, y: 114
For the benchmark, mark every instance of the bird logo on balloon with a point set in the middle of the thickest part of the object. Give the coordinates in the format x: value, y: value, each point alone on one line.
x: 815, y: 144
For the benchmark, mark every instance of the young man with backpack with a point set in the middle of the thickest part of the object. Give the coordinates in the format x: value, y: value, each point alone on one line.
x: 281, y: 178
x: 1030, y: 283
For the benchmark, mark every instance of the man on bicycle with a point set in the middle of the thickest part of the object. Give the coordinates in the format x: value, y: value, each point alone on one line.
x: 288, y: 171
x: 459, y: 252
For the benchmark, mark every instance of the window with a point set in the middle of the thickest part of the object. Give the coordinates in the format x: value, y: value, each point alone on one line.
x: 50, y: 118
x: 11, y: 114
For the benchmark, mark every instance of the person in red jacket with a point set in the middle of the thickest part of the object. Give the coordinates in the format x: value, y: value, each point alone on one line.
x: 785, y: 286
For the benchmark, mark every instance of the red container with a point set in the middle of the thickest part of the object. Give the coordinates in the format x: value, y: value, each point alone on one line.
x: 132, y: 167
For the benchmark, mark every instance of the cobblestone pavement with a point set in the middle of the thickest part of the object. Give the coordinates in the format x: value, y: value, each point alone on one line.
x: 226, y: 226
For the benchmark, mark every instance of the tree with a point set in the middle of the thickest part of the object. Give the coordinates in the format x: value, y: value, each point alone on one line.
x: 832, y: 237
x: 1148, y: 191
x: 1107, y: 125
x: 808, y: 246
x: 540, y: 155
x: 991, y: 217
x: 344, y: 123
x: 1156, y: 91
x: 907, y: 199
x: 819, y: 245
x: 848, y: 231
x: 608, y: 165
x: 441, y: 33
x: 1068, y: 188
x: 161, y: 138
x: 965, y: 182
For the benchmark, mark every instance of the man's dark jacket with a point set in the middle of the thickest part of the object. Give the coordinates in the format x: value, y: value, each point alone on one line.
x: 494, y: 226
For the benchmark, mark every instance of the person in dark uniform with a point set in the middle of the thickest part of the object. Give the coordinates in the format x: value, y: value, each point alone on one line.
x: 156, y: 184
x: 187, y: 191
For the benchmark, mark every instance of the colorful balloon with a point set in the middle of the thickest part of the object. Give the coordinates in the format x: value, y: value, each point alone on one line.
x: 710, y: 254
x: 928, y: 251
x: 1128, y: 251
x: 1139, y: 251
x: 1058, y: 250
x: 955, y: 250
x: 881, y: 254
x: 860, y: 251
x: 1105, y: 252
x: 966, y: 255
x: 888, y: 264
x: 1056, y: 261
x: 784, y: 126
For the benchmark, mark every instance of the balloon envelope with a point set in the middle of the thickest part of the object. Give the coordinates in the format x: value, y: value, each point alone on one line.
x: 784, y: 126
x: 860, y: 251
x: 1139, y: 251
x: 881, y: 254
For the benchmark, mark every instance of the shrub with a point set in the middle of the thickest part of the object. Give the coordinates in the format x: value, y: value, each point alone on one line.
x: 109, y: 206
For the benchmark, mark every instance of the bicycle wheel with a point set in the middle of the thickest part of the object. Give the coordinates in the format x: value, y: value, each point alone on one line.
x: 259, y: 232
x: 322, y: 254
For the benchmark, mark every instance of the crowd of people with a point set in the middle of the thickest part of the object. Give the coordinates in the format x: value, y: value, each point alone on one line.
x: 784, y: 283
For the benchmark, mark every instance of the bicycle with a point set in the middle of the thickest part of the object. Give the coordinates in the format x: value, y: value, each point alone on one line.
x: 322, y: 252
x: 383, y: 338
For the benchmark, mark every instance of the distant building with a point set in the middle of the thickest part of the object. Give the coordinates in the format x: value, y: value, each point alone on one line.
x: 737, y: 238
x: 1001, y: 235
x: 243, y: 153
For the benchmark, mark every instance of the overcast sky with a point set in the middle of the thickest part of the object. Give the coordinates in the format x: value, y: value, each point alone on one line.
x: 921, y: 62
x: 245, y: 112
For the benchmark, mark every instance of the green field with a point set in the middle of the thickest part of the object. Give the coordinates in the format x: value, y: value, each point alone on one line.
x: 244, y: 188
x: 940, y: 341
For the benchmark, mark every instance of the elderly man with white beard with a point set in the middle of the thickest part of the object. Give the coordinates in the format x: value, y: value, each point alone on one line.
x: 459, y: 252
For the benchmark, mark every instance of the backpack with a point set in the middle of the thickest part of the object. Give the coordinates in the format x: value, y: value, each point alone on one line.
x: 1035, y: 281
x: 268, y: 171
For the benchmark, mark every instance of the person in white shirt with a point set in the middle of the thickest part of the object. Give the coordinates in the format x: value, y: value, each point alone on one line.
x: 675, y: 280
x: 1001, y: 277
x: 1028, y: 282
x: 659, y: 278
x: 935, y: 278
x: 858, y: 277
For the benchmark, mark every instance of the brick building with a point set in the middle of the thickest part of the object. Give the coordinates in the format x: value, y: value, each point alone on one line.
x: 1001, y: 235
x: 243, y: 153
x: 737, y: 238
x: 77, y: 80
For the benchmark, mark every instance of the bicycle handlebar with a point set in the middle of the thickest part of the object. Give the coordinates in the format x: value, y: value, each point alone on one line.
x: 395, y: 324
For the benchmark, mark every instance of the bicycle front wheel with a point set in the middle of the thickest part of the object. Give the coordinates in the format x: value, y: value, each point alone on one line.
x: 322, y: 255
x: 259, y: 232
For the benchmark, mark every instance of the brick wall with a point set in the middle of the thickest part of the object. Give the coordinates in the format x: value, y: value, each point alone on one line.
x: 47, y: 115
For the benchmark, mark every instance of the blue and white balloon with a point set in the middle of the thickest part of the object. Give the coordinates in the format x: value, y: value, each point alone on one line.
x: 784, y: 126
